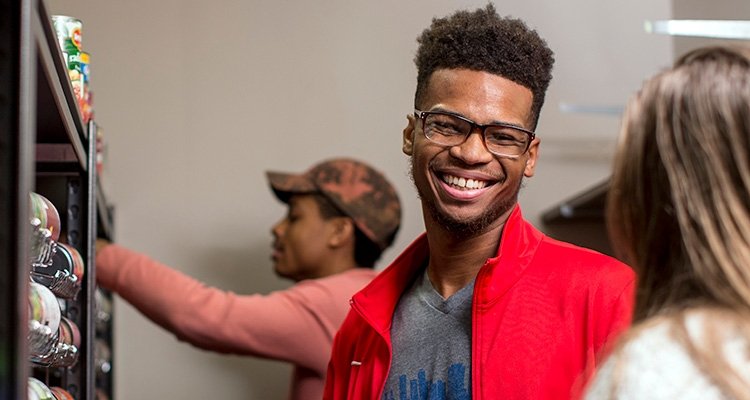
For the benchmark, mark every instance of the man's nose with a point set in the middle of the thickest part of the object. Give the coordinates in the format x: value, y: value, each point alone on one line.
x: 473, y: 149
x: 278, y: 229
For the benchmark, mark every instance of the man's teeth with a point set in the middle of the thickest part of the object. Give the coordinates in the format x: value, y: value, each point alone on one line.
x: 463, y: 182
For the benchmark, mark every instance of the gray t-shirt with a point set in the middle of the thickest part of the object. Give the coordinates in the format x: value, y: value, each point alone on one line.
x: 431, y: 345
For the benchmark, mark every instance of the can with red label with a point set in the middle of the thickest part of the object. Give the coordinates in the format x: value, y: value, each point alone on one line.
x: 68, y: 31
x: 60, y: 393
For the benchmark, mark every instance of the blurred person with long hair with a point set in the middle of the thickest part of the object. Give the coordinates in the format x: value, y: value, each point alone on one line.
x: 679, y: 214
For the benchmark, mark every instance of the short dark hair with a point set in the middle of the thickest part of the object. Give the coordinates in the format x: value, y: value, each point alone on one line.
x: 483, y: 41
x: 366, y: 252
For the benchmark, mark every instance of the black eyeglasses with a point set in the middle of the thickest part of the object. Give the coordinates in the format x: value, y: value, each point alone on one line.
x: 450, y: 129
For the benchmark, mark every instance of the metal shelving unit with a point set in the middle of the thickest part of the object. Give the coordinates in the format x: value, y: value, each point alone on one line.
x: 44, y: 147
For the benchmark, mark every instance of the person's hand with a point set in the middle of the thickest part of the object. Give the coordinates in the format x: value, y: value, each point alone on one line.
x: 101, y: 243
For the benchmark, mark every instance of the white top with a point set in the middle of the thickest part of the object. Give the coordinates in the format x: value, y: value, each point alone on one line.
x: 654, y: 366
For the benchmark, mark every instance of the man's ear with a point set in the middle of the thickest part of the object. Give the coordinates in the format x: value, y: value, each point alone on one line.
x: 409, y: 132
x: 531, y: 157
x: 342, y: 231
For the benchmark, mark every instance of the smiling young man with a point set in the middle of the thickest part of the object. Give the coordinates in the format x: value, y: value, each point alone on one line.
x: 483, y: 305
x: 342, y: 214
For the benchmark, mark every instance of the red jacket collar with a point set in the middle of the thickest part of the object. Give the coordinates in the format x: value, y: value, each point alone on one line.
x: 377, y: 301
x: 518, y: 245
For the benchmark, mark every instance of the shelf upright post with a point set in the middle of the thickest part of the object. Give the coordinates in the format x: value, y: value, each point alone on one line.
x: 80, y: 378
x: 17, y: 135
x: 89, y: 287
x: 81, y: 226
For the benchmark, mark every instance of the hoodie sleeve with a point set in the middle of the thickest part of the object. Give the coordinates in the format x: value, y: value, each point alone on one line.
x: 295, y: 325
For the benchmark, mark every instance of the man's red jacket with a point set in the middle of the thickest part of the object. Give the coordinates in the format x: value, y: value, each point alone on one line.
x: 543, y: 313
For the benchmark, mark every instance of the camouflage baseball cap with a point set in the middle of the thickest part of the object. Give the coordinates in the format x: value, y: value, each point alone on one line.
x: 356, y: 189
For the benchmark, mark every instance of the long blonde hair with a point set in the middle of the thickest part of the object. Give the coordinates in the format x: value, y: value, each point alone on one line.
x: 679, y: 205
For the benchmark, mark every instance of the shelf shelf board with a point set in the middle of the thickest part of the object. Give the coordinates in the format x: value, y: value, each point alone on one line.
x: 58, y: 117
x: 55, y: 153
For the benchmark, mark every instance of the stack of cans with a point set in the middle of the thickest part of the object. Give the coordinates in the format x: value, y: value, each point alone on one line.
x: 69, y: 37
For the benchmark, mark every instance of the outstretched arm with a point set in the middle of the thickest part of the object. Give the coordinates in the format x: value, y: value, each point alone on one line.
x: 295, y: 325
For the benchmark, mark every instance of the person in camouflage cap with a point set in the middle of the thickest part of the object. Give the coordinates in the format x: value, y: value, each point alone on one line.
x: 341, y: 215
x: 352, y: 198
x: 354, y: 188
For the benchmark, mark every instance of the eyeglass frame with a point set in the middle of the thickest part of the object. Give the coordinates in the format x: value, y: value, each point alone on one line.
x: 422, y: 115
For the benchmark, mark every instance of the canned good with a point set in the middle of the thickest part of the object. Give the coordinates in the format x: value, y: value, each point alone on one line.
x: 61, y: 394
x: 39, y: 391
x: 43, y: 307
x: 38, y: 209
x: 45, y: 223
x: 68, y: 30
x: 102, y: 310
x: 101, y: 149
x: 53, y: 218
x: 69, y: 332
x: 85, y: 101
x: 102, y: 358
x: 44, y: 320
x: 64, y: 275
x: 76, y: 260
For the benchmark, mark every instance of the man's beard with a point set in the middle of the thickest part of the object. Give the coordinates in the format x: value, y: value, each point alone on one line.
x: 465, y: 228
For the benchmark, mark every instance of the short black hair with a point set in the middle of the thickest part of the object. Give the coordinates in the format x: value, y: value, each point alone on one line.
x: 366, y: 252
x: 483, y: 41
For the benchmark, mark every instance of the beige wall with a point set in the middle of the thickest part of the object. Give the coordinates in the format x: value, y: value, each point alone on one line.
x: 198, y: 98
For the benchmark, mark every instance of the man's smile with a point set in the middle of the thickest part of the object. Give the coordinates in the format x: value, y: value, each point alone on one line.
x: 464, y: 183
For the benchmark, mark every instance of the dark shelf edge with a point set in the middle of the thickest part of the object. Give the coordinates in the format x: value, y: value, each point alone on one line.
x: 587, y: 205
